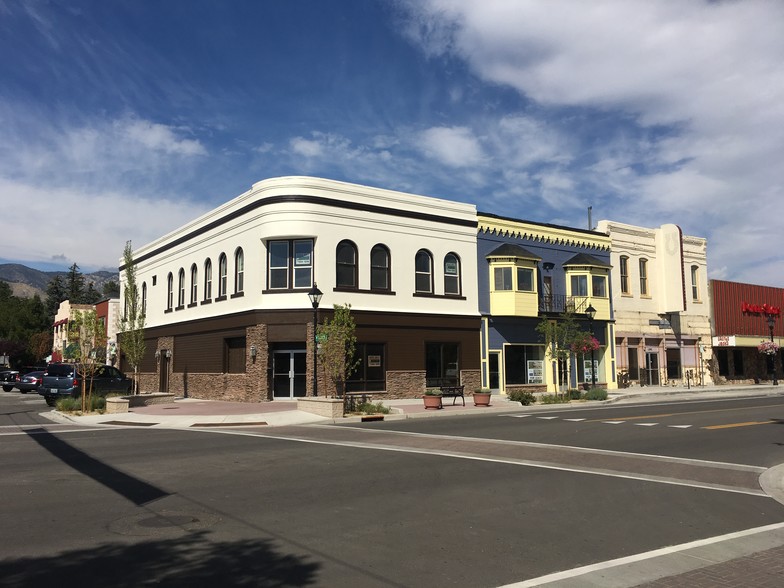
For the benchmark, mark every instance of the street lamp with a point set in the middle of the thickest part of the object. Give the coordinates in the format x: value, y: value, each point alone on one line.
x: 772, y: 323
x: 315, y: 297
x: 591, y: 312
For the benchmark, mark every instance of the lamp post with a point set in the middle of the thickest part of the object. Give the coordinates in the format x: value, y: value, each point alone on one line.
x: 772, y: 323
x: 315, y: 297
x: 591, y: 312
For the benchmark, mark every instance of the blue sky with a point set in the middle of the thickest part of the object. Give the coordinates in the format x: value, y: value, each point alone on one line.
x: 123, y: 120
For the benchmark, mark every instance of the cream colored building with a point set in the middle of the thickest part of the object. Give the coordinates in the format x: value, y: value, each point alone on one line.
x: 661, y: 305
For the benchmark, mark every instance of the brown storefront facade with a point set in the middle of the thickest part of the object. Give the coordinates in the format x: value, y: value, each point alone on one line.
x: 742, y: 318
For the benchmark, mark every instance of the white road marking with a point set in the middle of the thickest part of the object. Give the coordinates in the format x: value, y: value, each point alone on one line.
x: 574, y: 420
x: 679, y: 426
x: 613, y: 422
x: 547, y: 418
x: 517, y: 416
x: 576, y: 572
x: 645, y: 424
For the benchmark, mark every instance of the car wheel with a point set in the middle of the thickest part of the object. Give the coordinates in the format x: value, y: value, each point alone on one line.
x: 23, y: 391
x: 8, y: 388
x: 51, y: 401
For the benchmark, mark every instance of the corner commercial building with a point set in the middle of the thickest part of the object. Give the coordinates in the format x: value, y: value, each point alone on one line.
x: 226, y: 295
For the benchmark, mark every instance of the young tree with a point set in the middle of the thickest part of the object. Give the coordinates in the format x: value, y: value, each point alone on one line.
x: 131, y: 320
x: 338, y: 346
x: 559, y: 335
x: 88, y: 334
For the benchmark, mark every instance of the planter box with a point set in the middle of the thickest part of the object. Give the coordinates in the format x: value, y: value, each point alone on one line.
x: 327, y: 407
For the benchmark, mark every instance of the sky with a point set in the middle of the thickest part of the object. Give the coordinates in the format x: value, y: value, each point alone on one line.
x: 124, y: 119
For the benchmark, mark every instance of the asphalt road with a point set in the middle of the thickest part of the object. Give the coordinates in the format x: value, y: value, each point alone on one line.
x: 464, y: 501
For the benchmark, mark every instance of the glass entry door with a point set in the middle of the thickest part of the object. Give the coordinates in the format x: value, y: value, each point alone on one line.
x: 652, y: 368
x: 289, y: 373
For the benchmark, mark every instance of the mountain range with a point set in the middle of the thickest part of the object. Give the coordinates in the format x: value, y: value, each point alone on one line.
x: 26, y: 282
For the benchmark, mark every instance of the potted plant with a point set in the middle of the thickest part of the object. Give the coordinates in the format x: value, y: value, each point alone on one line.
x: 482, y: 397
x: 432, y: 398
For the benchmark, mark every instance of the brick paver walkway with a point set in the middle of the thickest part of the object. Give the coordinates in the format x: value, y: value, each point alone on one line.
x: 764, y: 569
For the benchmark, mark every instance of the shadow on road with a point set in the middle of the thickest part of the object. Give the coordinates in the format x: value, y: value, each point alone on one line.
x: 135, y: 490
x: 185, y: 561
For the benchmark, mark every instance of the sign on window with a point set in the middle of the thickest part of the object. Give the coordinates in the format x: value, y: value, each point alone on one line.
x: 535, y: 371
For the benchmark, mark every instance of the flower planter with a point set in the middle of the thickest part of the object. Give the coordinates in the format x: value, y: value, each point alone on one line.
x: 482, y: 398
x: 432, y: 401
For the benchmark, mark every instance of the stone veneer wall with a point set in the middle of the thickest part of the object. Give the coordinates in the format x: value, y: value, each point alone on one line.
x: 404, y: 384
x: 471, y: 379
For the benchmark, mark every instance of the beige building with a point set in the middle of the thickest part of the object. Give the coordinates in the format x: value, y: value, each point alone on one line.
x: 661, y: 306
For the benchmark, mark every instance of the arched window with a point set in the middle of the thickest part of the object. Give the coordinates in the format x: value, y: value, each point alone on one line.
x: 170, y: 292
x: 239, y: 271
x: 346, y: 265
x: 695, y: 283
x: 223, y: 270
x: 379, y: 268
x: 624, y: 274
x: 194, y: 284
x: 424, y: 271
x: 208, y: 279
x: 144, y: 298
x: 452, y: 274
x: 181, y: 288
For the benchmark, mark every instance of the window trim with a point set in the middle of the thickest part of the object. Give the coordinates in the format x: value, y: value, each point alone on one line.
x: 194, y: 286
x: 347, y: 244
x: 695, y: 283
x: 624, y: 270
x: 180, y: 289
x: 429, y: 273
x: 458, y: 277
x: 207, y: 281
x: 644, y: 289
x: 239, y: 272
x: 170, y: 292
x: 223, y: 276
x: 291, y: 267
x: 386, y: 269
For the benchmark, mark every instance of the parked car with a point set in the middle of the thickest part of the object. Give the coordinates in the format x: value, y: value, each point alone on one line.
x: 30, y: 382
x: 63, y: 379
x: 8, y: 379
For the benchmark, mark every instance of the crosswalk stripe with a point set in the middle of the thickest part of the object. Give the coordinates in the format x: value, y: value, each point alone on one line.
x: 679, y: 426
x: 547, y: 418
x: 613, y: 422
x: 574, y: 420
x: 645, y: 424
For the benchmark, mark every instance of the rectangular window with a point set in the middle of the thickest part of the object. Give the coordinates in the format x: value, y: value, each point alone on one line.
x: 234, y: 355
x: 290, y: 264
x: 695, y: 283
x: 624, y: 275
x: 525, y: 279
x: 599, y: 287
x: 643, y: 277
x: 523, y: 364
x: 441, y: 364
x: 371, y: 373
x: 579, y: 285
x: 502, y: 278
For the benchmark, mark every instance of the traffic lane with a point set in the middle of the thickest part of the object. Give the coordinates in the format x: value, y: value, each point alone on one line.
x: 361, y: 516
x: 672, y: 429
x: 17, y: 409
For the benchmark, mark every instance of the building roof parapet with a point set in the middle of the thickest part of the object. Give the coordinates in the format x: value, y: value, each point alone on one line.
x: 542, y: 232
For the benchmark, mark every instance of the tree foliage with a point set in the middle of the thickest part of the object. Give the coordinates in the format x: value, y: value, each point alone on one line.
x: 20, y: 320
x: 131, y: 320
x: 338, y: 346
x: 563, y: 337
x: 87, y: 334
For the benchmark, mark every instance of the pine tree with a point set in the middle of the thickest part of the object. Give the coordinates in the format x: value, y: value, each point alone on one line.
x: 55, y: 294
x: 74, y: 285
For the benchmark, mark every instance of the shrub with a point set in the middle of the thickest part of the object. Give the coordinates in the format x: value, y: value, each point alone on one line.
x: 373, y: 408
x: 522, y: 396
x: 432, y: 392
x: 74, y: 404
x: 553, y: 399
x: 574, y: 395
x: 596, y: 394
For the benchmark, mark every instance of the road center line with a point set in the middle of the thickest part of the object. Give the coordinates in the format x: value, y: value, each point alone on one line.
x: 733, y: 425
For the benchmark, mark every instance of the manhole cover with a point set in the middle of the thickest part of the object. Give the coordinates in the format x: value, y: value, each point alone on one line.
x: 164, y: 523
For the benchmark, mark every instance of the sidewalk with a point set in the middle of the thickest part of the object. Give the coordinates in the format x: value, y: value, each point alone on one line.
x: 188, y: 412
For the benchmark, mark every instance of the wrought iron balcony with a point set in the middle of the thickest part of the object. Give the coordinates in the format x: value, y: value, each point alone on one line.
x: 562, y: 303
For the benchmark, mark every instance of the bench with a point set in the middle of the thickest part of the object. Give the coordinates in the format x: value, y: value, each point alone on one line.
x: 454, y: 392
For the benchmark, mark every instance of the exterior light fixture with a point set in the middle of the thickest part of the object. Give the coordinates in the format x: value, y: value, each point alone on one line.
x: 591, y: 313
x: 253, y: 352
x: 315, y: 298
x: 548, y: 265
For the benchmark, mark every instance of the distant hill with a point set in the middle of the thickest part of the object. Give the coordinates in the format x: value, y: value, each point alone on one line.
x: 26, y: 282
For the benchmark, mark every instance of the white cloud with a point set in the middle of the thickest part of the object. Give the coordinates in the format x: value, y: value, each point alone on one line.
x: 306, y: 147
x: 452, y: 146
x: 679, y: 106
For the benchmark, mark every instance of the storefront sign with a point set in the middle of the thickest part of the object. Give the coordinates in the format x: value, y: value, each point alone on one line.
x: 374, y: 361
x: 747, y: 308
x: 724, y: 341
